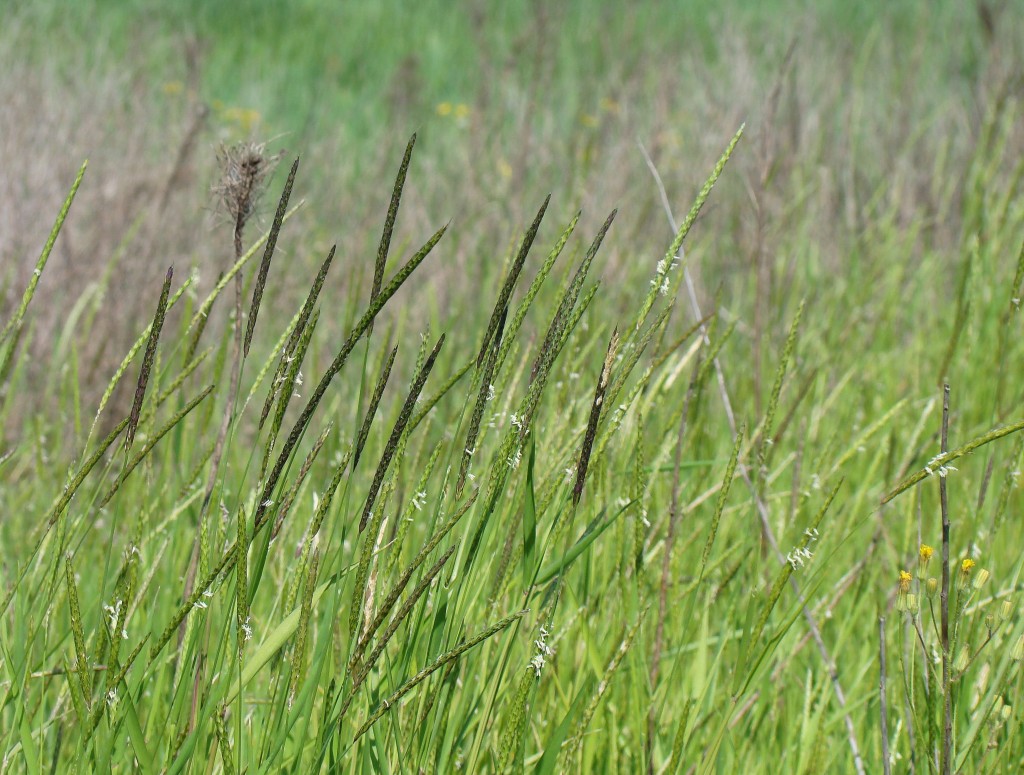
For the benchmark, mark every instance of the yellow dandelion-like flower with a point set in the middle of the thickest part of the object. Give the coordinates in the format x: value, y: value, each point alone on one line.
x: 902, y: 603
x: 965, y: 572
x: 443, y: 109
x: 461, y: 110
x: 924, y: 556
x: 905, y: 579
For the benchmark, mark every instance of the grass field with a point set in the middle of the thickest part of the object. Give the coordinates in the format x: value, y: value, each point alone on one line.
x: 421, y: 461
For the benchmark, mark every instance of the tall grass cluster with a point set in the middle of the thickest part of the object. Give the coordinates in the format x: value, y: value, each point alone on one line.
x: 511, y: 480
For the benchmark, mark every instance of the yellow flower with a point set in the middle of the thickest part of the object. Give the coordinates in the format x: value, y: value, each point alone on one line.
x: 444, y: 109
x: 923, y: 558
x: 965, y: 572
x: 905, y: 579
x: 244, y: 118
x: 462, y: 110
x: 173, y: 87
x: 902, y: 602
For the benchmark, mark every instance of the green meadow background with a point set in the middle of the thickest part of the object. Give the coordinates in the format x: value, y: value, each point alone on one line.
x: 646, y: 506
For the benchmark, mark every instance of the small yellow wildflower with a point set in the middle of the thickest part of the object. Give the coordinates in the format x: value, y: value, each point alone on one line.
x: 462, y: 110
x: 902, y: 604
x: 244, y: 118
x: 905, y: 579
x: 965, y: 572
x: 444, y: 109
x: 924, y: 556
x: 173, y: 87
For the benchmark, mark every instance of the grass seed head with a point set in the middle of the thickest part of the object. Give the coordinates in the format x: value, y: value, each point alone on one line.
x: 244, y: 168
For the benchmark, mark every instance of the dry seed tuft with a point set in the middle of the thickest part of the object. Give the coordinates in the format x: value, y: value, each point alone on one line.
x: 244, y: 168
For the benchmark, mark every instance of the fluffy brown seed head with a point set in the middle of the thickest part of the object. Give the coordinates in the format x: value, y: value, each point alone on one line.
x: 244, y: 168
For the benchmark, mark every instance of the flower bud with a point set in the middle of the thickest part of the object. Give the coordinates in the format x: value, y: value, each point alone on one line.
x: 981, y: 578
x: 1006, y: 610
x: 1018, y: 650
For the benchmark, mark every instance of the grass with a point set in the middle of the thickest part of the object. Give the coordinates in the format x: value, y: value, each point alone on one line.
x: 357, y: 487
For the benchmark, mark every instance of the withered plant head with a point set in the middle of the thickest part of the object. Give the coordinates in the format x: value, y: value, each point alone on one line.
x: 244, y: 168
